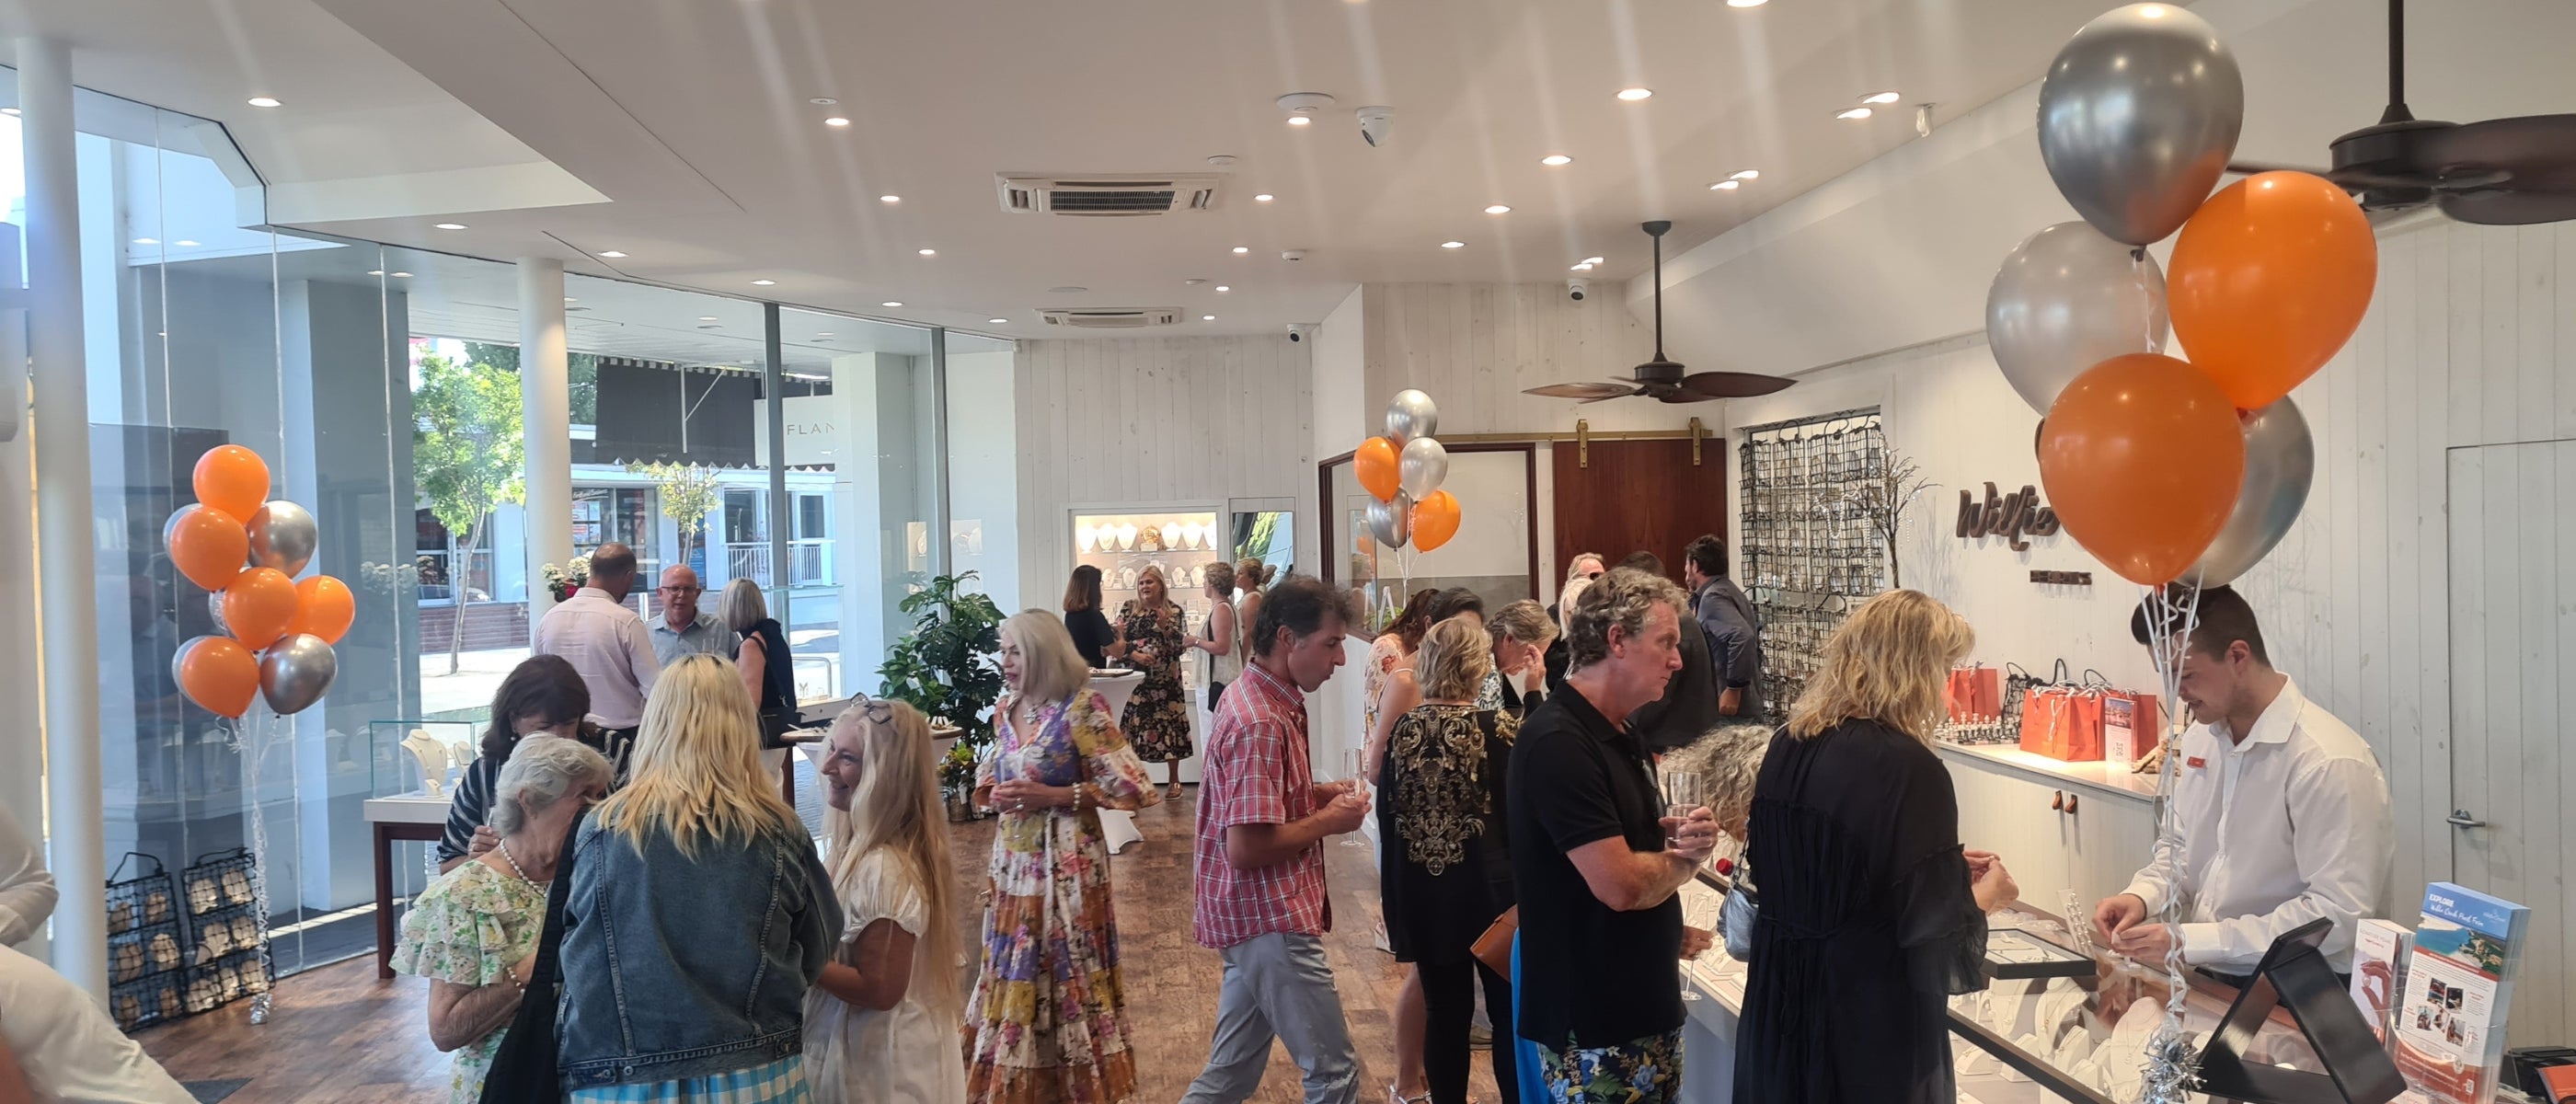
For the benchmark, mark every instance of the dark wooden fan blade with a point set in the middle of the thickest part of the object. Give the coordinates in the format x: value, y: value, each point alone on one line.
x: 2514, y: 207
x: 1585, y: 391
x: 1607, y: 398
x: 1731, y: 385
x: 2525, y: 146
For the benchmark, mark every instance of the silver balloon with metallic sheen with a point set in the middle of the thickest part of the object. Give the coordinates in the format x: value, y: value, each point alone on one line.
x: 2138, y: 117
x: 2280, y: 461
x: 2066, y: 299
x: 283, y: 536
x: 1422, y: 467
x: 1411, y: 415
x: 1391, y: 522
x: 296, y: 671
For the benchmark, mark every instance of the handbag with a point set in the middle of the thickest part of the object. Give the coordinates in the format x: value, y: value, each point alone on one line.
x: 1736, y: 914
x: 524, y: 1067
x: 1494, y: 948
x: 775, y: 724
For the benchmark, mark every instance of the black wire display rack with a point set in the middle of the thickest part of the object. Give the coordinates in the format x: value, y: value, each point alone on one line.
x: 1807, y: 548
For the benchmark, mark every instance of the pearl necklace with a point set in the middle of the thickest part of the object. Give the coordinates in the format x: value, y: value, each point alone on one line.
x: 514, y: 866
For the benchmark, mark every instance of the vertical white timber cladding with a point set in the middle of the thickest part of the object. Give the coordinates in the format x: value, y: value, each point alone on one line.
x: 1474, y: 347
x: 1157, y: 419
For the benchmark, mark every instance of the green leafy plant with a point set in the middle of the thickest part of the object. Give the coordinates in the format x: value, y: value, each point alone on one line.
x: 949, y: 668
x: 468, y: 455
x: 957, y: 768
x: 689, y: 494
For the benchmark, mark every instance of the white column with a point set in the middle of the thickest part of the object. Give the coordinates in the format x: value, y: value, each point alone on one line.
x: 545, y: 398
x: 67, y: 556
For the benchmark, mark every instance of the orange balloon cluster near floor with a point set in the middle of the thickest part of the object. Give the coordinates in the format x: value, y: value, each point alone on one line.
x: 248, y: 565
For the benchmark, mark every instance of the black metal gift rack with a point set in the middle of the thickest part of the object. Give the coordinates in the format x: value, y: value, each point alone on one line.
x: 228, y: 946
x: 146, y: 950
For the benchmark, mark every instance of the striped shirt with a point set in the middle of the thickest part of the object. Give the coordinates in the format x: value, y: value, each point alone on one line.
x: 1257, y: 772
x: 471, y: 807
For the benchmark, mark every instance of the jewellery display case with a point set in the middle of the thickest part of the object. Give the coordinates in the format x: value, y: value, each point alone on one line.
x: 1182, y: 538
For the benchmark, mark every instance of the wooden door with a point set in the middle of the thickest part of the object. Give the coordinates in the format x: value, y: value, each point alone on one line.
x: 1627, y: 496
x: 2513, y: 662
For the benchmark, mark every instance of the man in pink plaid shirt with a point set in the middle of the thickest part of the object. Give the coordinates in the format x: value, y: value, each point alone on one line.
x: 1259, y: 868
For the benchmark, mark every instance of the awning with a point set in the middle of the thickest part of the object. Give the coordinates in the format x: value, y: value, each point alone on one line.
x: 654, y: 412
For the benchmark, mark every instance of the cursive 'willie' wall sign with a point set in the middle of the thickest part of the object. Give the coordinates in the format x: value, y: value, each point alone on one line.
x: 2012, y: 517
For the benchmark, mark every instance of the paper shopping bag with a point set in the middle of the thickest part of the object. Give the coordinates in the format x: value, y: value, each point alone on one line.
x: 2083, y: 740
x: 2045, y: 713
x: 2130, y: 725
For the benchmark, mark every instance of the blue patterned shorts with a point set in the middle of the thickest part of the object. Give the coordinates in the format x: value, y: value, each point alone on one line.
x: 779, y: 1082
x: 1641, y: 1071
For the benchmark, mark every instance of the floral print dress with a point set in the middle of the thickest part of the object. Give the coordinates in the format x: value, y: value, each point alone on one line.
x: 469, y: 927
x: 1047, y: 1021
x: 1158, y: 714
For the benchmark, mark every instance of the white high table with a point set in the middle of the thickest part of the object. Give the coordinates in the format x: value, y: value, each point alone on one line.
x: 1118, y: 824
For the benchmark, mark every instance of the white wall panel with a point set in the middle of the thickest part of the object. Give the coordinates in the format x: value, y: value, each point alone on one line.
x: 1474, y: 347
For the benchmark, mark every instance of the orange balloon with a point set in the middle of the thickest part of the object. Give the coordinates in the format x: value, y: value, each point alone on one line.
x: 1435, y: 520
x: 232, y: 479
x: 206, y: 544
x: 324, y: 608
x: 2142, y: 457
x: 259, y: 605
x: 217, y: 674
x: 1375, y: 463
x: 2269, y: 278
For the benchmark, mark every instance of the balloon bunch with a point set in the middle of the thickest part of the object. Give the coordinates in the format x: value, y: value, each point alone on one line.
x: 1403, y: 472
x: 249, y: 568
x: 2162, y: 468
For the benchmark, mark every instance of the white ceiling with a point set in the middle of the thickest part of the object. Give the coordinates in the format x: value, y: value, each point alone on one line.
x: 691, y: 118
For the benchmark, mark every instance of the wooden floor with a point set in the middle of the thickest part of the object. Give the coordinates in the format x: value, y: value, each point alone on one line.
x: 338, y: 1034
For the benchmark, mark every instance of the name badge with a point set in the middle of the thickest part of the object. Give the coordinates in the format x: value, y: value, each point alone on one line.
x: 2195, y: 762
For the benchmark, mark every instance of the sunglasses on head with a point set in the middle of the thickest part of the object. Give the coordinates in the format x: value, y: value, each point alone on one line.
x: 876, y: 710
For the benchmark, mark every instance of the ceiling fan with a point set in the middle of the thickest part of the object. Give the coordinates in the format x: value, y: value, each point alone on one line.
x: 1660, y: 378
x: 2497, y: 172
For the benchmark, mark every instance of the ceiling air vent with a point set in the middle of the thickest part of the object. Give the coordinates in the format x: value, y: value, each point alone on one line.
x: 1107, y: 196
x: 1110, y: 318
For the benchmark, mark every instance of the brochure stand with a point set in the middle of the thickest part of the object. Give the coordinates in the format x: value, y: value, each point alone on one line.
x: 2294, y: 974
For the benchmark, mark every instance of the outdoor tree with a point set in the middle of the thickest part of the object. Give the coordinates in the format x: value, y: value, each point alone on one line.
x: 468, y: 454
x: 689, y: 494
x: 581, y: 375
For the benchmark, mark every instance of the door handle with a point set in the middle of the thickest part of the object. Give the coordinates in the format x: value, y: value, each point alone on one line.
x: 2460, y: 818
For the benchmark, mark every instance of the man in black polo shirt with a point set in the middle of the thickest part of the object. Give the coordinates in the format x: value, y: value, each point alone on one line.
x: 1600, y: 928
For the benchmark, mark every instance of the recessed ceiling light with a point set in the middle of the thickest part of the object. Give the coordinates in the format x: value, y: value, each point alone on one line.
x: 1633, y: 95
x: 706, y: 318
x: 1207, y: 318
x: 1853, y: 113
x: 8, y: 111
x: 1748, y: 174
x: 762, y: 283
x: 1453, y: 245
x: 375, y: 272
x: 571, y: 299
x: 891, y: 303
x: 889, y: 199
x: 402, y: 275
x: 1880, y: 97
x: 1243, y: 249
x: 264, y: 101
x: 822, y: 101
x: 1556, y: 159
x: 1726, y: 185
x: 147, y: 241
x: 1746, y: 3
x: 1592, y: 260
x: 1264, y: 197
x: 1301, y: 120
x: 184, y: 243
x: 1498, y: 209
x: 999, y: 321
x: 1192, y: 282
x: 1582, y: 268
x: 929, y: 252
x: 614, y: 254
x: 826, y: 333
x: 1222, y: 289
x: 836, y: 121
x: 451, y: 226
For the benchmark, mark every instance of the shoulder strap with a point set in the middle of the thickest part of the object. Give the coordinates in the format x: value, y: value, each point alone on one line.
x: 558, y: 893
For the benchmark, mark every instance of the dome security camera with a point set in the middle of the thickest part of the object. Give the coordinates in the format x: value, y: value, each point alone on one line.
x: 1377, y: 125
x: 1300, y: 331
x: 1577, y: 287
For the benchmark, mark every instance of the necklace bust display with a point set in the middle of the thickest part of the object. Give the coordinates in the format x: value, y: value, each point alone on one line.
x: 432, y: 754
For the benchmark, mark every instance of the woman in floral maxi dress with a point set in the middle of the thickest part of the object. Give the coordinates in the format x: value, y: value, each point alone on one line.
x: 1152, y: 637
x: 1046, y: 1024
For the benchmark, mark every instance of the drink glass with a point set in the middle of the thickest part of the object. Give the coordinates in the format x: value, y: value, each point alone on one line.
x: 1681, y: 797
x: 1354, y: 762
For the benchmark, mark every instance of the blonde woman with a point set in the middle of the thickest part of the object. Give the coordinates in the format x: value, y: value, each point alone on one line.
x: 1579, y: 573
x: 1223, y: 644
x: 1872, y: 914
x: 1447, y: 872
x: 881, y: 1023
x: 719, y: 913
x: 1047, y: 1022
x: 1151, y: 638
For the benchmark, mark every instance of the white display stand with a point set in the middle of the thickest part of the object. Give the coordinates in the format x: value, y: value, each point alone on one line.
x: 1197, y: 550
x: 1118, y: 824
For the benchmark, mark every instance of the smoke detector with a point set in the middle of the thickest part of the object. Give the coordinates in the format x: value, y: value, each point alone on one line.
x: 1302, y: 107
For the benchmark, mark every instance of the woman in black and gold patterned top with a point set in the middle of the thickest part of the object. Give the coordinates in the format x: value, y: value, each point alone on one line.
x: 1447, y: 871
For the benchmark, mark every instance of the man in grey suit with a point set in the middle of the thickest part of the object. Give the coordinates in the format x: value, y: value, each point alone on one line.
x: 1734, y: 630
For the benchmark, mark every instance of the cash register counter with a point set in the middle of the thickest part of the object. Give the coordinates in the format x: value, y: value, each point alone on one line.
x: 2022, y: 1041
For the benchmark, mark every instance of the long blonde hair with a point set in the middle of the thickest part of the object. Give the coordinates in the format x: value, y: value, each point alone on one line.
x: 1051, y: 668
x: 1889, y: 662
x: 696, y: 770
x: 896, y: 807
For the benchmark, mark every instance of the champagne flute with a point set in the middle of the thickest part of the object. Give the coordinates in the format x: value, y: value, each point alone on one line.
x: 1681, y: 798
x: 1354, y: 763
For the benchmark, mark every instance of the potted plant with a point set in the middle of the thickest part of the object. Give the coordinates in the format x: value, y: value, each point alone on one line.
x: 949, y: 668
x: 564, y: 582
x: 957, y: 781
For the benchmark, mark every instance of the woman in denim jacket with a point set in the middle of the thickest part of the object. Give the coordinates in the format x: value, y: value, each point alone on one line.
x: 698, y: 914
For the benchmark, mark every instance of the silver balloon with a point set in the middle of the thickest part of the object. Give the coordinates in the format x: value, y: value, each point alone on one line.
x: 296, y: 671
x: 1411, y: 415
x: 2066, y: 299
x: 2280, y: 460
x: 283, y: 536
x: 2137, y: 118
x: 1391, y: 522
x: 215, y: 612
x: 1423, y: 466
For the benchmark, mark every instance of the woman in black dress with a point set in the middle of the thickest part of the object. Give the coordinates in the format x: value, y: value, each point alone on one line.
x: 1092, y: 634
x: 768, y: 666
x: 1872, y: 915
x: 1447, y: 871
